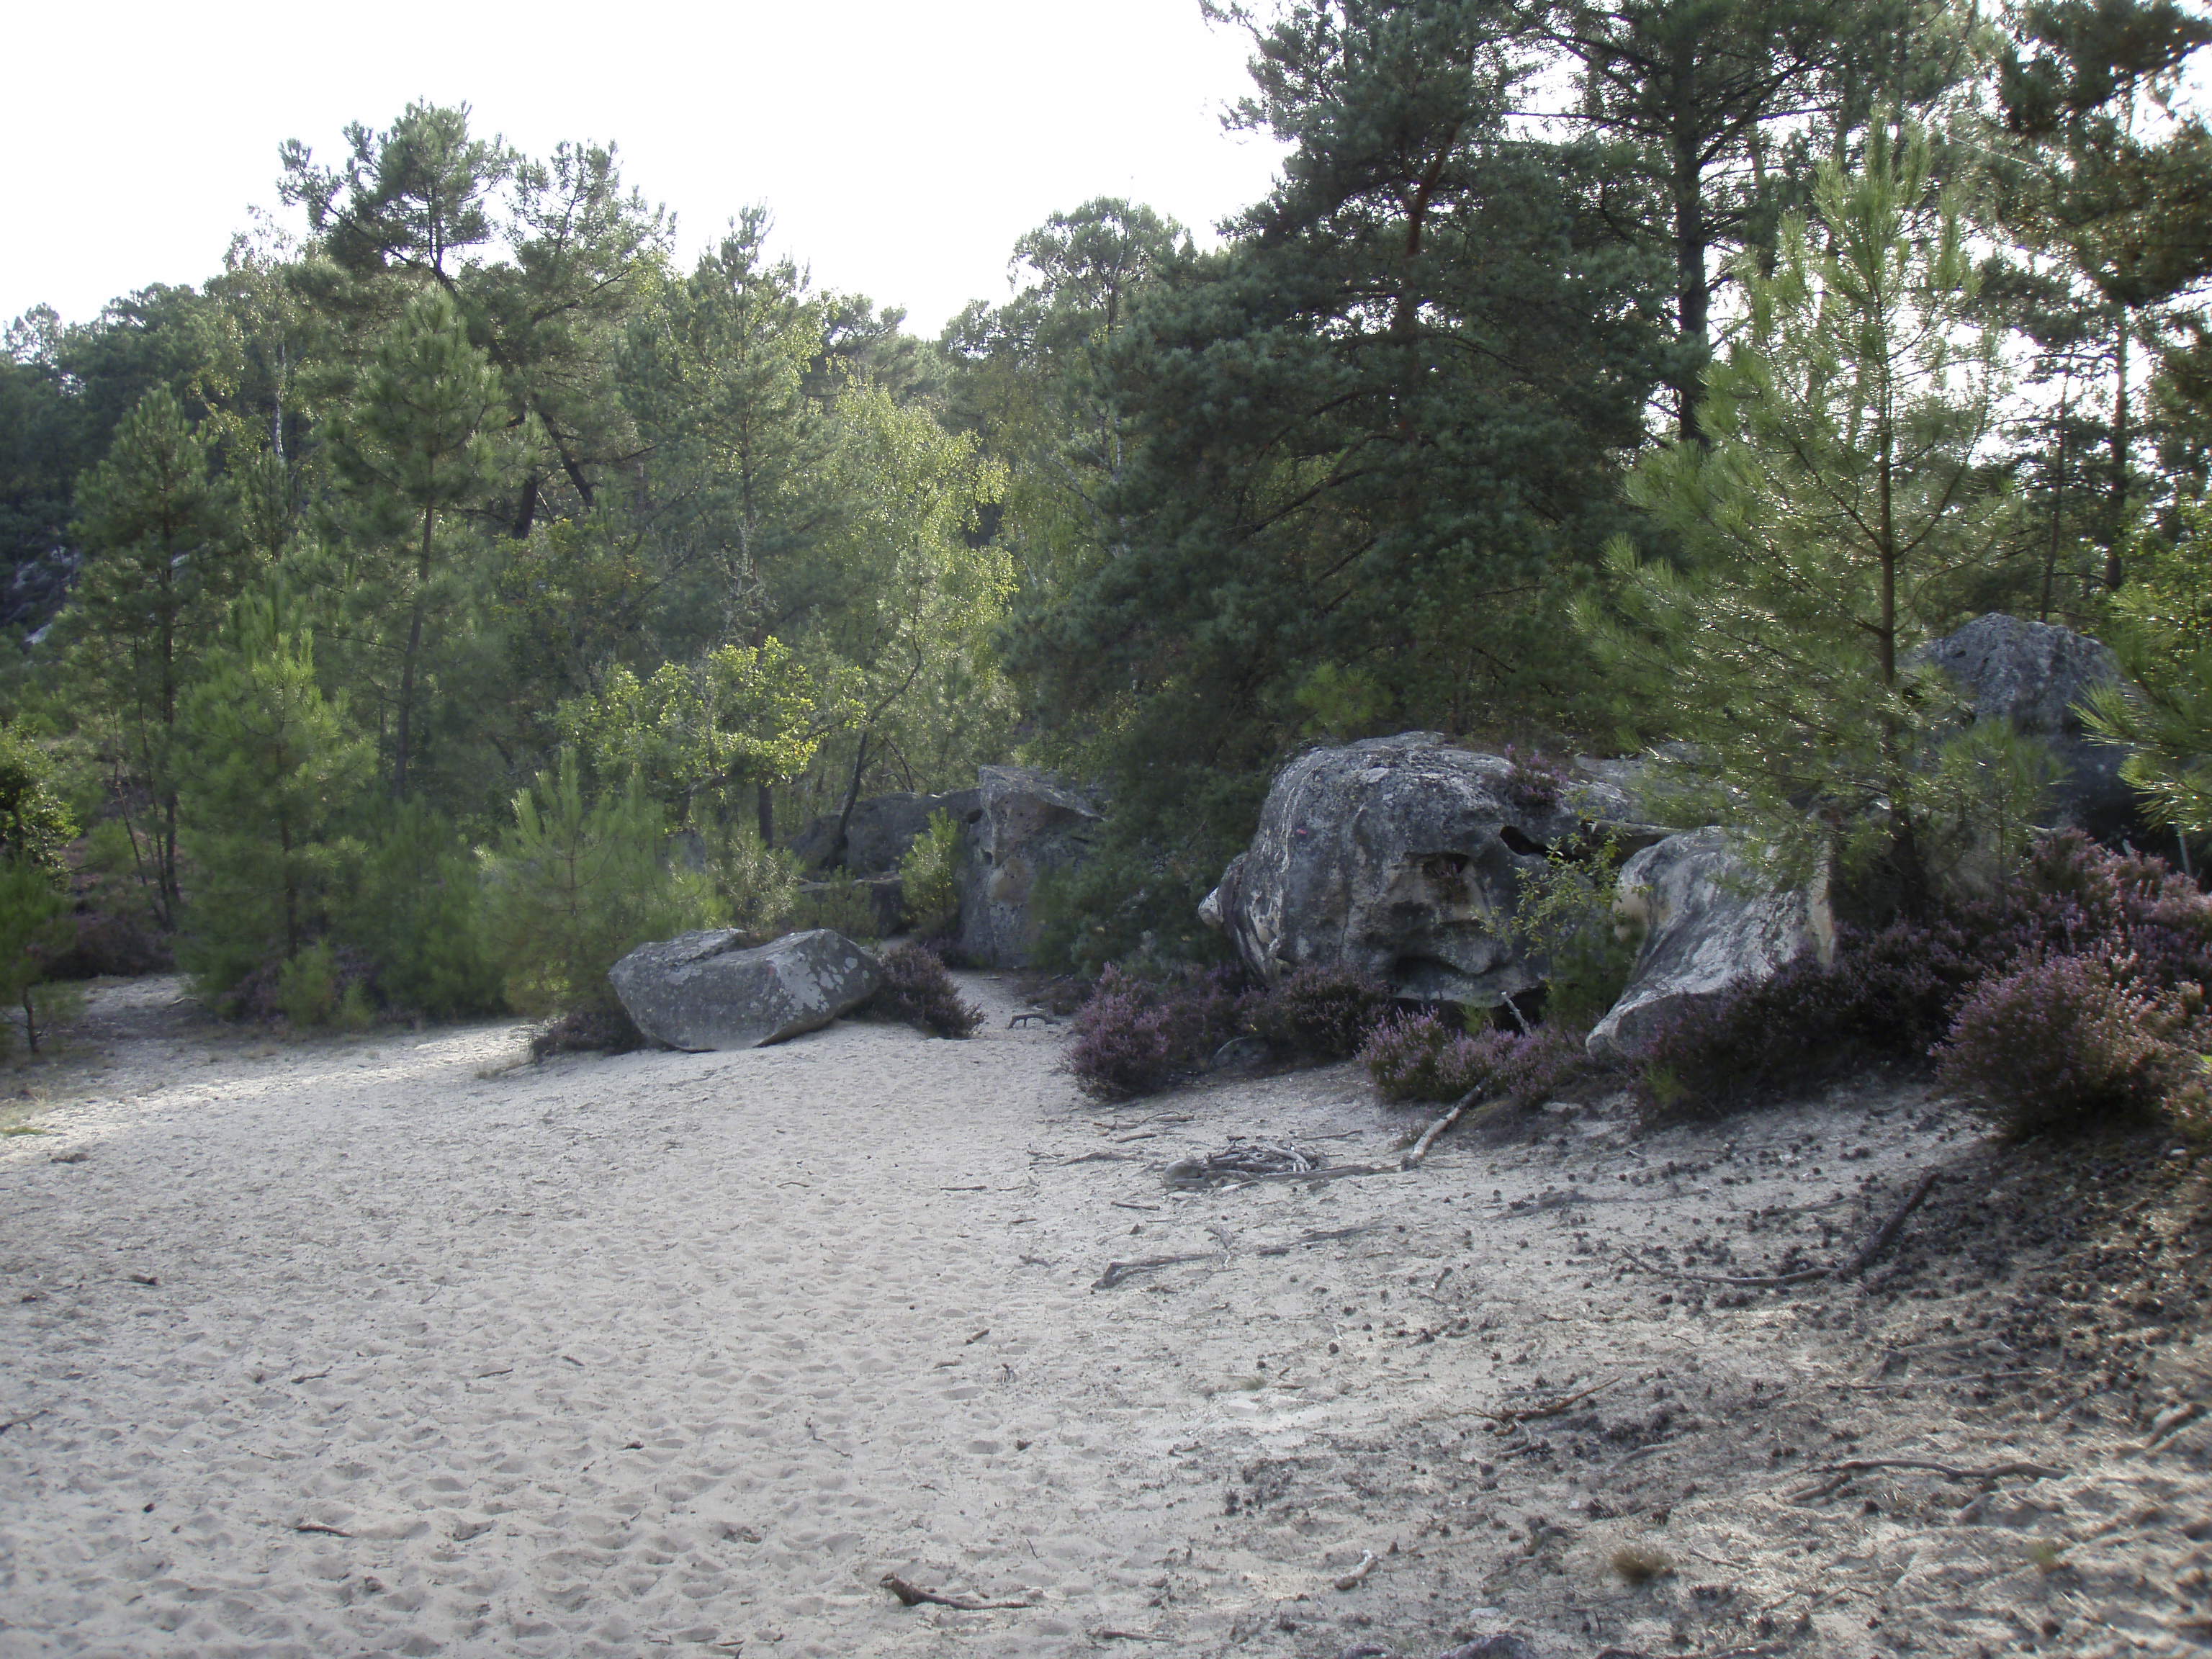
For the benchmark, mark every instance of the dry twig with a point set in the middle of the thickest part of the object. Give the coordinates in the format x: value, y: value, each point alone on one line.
x: 1857, y: 1264
x: 1117, y: 1270
x: 910, y: 1595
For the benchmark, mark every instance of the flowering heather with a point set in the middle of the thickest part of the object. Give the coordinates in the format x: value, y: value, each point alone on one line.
x: 916, y: 991
x: 2072, y: 1040
x: 1323, y: 1012
x: 1137, y: 1035
x: 1422, y: 1056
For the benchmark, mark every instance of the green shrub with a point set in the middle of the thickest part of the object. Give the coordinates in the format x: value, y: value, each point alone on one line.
x: 34, y: 918
x: 572, y: 889
x: 842, y: 907
x: 415, y: 909
x: 929, y: 877
x: 1565, y: 916
x: 312, y: 991
x: 757, y: 886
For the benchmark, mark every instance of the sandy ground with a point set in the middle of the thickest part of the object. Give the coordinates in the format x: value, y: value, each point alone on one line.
x: 390, y: 1345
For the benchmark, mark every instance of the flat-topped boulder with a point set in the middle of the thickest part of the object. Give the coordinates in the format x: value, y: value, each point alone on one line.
x: 710, y: 991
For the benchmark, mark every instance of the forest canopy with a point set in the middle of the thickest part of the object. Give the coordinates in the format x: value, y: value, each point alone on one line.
x: 456, y: 534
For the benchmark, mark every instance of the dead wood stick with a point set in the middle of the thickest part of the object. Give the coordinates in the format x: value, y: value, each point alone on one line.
x: 20, y: 1422
x: 911, y: 1596
x: 1412, y: 1159
x: 1124, y: 1636
x: 1551, y: 1408
x: 1358, y: 1576
x: 1332, y: 1172
x: 1117, y: 1270
x: 1994, y: 1472
x: 1874, y: 1246
x: 316, y: 1526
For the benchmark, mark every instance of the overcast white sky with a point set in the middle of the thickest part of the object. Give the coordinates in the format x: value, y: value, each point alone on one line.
x: 901, y: 146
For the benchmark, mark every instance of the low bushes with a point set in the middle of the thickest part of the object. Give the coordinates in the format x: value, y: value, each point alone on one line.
x: 916, y: 991
x: 2071, y: 996
x: 1135, y: 1036
x: 1423, y: 1057
x: 1322, y: 1012
x: 2071, y: 1041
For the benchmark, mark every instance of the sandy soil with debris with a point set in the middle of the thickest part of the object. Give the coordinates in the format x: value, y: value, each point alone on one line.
x: 390, y: 1345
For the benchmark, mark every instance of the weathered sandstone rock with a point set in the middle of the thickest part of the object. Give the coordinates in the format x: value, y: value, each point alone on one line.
x: 1707, y: 926
x: 1028, y: 823
x: 1401, y: 857
x: 705, y: 990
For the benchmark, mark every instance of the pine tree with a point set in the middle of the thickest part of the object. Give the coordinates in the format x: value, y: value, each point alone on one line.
x: 159, y: 528
x: 575, y: 885
x: 270, y: 768
x: 419, y: 435
x: 1839, y: 490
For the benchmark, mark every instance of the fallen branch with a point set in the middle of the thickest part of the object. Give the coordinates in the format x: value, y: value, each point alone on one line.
x: 316, y: 1526
x: 1358, y: 1576
x: 911, y: 1596
x: 1840, y: 1474
x: 1551, y: 1408
x: 1117, y: 1270
x: 1412, y: 1159
x: 1874, y: 1246
x: 20, y: 1422
x: 1125, y: 1636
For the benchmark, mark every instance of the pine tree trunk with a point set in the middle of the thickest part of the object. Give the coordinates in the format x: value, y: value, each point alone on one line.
x: 407, y: 666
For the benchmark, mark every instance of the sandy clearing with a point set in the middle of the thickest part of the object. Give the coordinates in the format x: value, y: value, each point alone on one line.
x: 684, y: 1353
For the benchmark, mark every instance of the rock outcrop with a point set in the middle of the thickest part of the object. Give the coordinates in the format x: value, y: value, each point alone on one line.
x: 880, y: 832
x: 2033, y: 674
x: 1027, y: 823
x: 707, y: 991
x: 1707, y: 926
x: 1402, y: 858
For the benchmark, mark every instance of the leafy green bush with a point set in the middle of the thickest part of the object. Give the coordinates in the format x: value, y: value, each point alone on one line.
x: 929, y: 877
x: 312, y: 990
x: 757, y: 886
x: 415, y: 909
x: 34, y: 917
x: 842, y: 907
x: 572, y: 889
x: 1565, y: 916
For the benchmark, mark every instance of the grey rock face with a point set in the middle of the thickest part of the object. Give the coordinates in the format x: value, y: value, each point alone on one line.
x: 2032, y: 674
x: 1399, y: 857
x: 881, y: 830
x: 706, y: 991
x: 1703, y: 933
x: 1028, y: 823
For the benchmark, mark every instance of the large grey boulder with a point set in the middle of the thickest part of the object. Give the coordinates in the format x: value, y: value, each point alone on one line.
x: 2034, y: 674
x: 707, y: 990
x: 1402, y: 858
x: 879, y: 833
x: 1708, y: 924
x: 1028, y: 823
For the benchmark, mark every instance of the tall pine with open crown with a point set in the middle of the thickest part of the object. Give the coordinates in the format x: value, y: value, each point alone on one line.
x: 1840, y: 488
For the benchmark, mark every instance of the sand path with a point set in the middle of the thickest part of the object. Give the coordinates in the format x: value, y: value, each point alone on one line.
x: 372, y: 1347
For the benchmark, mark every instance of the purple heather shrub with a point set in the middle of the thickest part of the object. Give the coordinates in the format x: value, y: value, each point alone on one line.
x: 1325, y: 1011
x: 1135, y: 1036
x: 2072, y: 1041
x: 916, y: 991
x: 1422, y: 1056
x: 1536, y: 781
